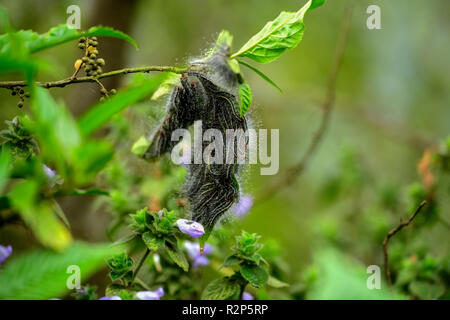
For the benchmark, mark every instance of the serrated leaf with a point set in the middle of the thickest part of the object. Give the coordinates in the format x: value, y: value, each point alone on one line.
x: 262, y: 75
x: 41, y: 274
x: 275, y: 283
x: 231, y: 260
x: 245, y: 94
x: 256, y: 275
x: 177, y: 256
x: 100, y: 113
x: 285, y: 32
x: 152, y: 242
x: 118, y: 290
x: 221, y: 289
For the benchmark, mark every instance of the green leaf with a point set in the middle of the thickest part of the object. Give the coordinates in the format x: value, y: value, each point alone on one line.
x: 234, y: 65
x: 262, y: 75
x: 14, y: 57
x: 5, y: 160
x: 285, y: 32
x: 35, y: 42
x: 89, y: 159
x: 99, y: 114
x: 256, y: 275
x: 166, y: 86
x: 427, y: 290
x: 177, y: 256
x: 100, y: 31
x: 39, y: 216
x: 81, y: 192
x: 231, y: 260
x: 275, y: 283
x: 121, y: 267
x: 42, y: 274
x: 339, y: 277
x: 221, y: 289
x: 224, y: 38
x: 245, y: 93
x: 55, y: 129
x: 118, y: 290
x: 152, y: 242
x: 140, y: 146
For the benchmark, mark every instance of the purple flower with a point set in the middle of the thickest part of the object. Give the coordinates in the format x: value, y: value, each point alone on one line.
x: 150, y: 295
x: 244, y: 205
x: 110, y: 298
x: 52, y: 176
x: 193, y: 250
x: 247, y: 296
x: 5, y: 252
x: 192, y: 228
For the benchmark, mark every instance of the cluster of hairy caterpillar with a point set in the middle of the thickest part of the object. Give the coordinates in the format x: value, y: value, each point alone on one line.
x: 208, y: 95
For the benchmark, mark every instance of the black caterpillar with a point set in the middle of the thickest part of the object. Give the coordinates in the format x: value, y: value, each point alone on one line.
x: 209, y: 95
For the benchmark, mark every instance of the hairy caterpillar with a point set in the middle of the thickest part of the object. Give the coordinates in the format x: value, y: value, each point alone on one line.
x: 209, y: 95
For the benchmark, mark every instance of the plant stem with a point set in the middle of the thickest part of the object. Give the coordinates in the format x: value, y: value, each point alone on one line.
x: 64, y: 82
x: 141, y: 283
x: 147, y: 252
x: 399, y: 227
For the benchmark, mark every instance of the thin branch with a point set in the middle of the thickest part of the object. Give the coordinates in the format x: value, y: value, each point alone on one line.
x: 400, y: 226
x: 64, y: 82
x: 141, y: 263
x: 293, y: 172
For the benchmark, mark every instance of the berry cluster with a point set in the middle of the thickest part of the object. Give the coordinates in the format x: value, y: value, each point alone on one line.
x: 105, y: 93
x: 18, y: 91
x: 91, y: 64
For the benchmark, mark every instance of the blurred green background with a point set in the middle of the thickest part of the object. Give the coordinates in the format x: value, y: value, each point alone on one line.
x: 392, y: 103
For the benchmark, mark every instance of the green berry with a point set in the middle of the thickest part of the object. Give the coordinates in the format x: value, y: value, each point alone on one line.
x: 101, y: 61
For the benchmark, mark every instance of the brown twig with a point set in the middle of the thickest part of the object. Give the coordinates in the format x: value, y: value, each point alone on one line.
x: 293, y: 172
x: 400, y: 226
x: 64, y: 82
